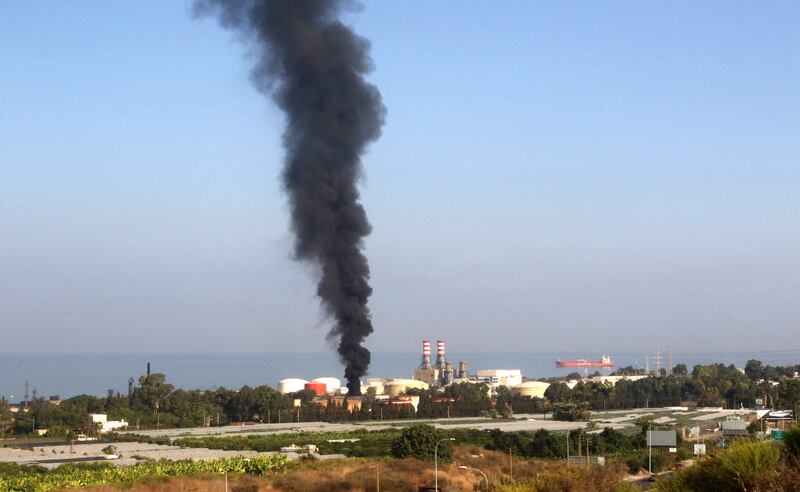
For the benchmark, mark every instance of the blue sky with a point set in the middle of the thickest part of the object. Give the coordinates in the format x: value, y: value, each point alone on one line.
x: 552, y: 176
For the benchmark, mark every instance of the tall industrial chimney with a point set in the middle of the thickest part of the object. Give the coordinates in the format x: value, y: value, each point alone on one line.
x: 447, y: 377
x: 426, y: 372
x: 440, y: 359
x: 426, y: 353
x: 148, y: 369
x: 462, y: 370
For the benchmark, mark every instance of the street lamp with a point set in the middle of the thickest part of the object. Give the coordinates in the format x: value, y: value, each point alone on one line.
x: 463, y: 467
x: 436, y: 461
x: 377, y: 477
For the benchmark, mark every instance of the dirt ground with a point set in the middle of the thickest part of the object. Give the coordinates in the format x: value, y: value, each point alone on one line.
x: 395, y: 475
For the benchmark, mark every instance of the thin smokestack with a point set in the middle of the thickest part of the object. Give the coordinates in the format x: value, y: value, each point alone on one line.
x: 313, y: 66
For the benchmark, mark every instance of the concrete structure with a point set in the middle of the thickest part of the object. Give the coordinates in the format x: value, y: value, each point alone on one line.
x: 396, y: 387
x: 108, y: 425
x: 500, y: 377
x: 462, y: 373
x: 534, y: 389
x: 291, y: 385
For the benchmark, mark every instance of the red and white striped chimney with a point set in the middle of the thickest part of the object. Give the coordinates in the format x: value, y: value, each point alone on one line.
x: 440, y: 360
x: 426, y: 351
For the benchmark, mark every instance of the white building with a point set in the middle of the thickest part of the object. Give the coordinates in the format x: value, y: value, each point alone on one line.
x: 500, y: 377
x: 107, y: 425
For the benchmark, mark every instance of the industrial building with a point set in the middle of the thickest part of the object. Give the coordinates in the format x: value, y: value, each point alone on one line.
x: 442, y: 373
x: 509, y: 378
x: 106, y: 425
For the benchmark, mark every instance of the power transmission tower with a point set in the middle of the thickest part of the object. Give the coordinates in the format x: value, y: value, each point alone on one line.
x: 669, y: 359
x: 657, y: 360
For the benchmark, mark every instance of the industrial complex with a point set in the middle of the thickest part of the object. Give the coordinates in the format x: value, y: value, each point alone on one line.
x: 440, y: 373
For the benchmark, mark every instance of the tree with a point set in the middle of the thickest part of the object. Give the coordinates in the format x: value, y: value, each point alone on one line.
x: 470, y: 399
x: 680, y: 370
x: 557, y: 393
x: 754, y: 369
x: 152, y: 390
x: 545, y: 445
x: 419, y: 441
x: 505, y: 441
x: 5, y: 417
x: 504, y: 402
x: 789, y: 393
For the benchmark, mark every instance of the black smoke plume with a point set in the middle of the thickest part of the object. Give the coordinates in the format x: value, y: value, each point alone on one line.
x: 313, y: 66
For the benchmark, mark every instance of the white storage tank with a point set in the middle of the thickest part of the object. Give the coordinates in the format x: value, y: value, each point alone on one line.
x: 396, y: 387
x: 331, y: 384
x: 377, y: 384
x: 291, y: 385
x: 532, y: 388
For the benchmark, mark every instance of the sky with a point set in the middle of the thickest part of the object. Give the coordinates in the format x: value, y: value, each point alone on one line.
x: 552, y: 176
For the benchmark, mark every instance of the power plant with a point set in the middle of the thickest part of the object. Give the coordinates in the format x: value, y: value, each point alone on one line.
x: 428, y: 374
x: 442, y: 373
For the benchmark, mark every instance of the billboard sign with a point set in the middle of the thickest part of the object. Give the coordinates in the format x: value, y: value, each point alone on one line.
x: 662, y: 438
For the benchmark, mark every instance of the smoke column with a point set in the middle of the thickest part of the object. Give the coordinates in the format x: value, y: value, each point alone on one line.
x: 313, y: 66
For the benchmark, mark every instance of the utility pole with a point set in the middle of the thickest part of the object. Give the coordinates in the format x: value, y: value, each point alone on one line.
x: 587, y: 449
x: 650, y: 449
x: 511, y: 464
x: 26, y: 395
x: 567, y: 447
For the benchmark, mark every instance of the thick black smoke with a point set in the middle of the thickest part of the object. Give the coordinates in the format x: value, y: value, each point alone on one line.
x: 313, y: 66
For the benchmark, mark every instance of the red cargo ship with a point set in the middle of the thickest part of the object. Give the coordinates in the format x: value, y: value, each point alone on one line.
x: 605, y: 361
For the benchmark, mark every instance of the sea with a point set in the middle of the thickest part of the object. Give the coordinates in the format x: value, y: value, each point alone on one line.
x: 96, y: 374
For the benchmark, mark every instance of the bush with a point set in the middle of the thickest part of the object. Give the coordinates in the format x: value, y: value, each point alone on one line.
x: 420, y: 442
x: 634, y: 464
x: 570, y: 413
x: 745, y: 465
x: 792, y: 443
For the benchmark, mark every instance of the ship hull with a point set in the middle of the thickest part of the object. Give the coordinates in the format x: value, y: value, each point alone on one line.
x: 583, y: 363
